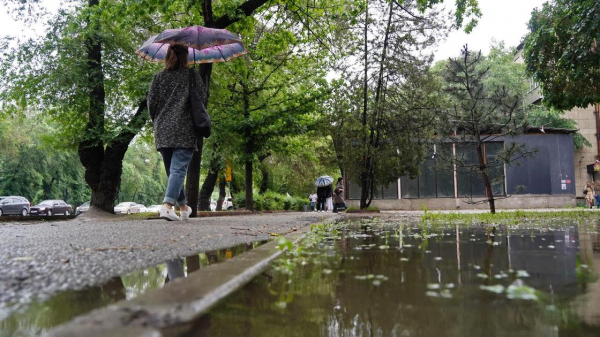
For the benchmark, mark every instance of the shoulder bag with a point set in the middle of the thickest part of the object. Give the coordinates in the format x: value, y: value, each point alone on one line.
x: 200, y: 117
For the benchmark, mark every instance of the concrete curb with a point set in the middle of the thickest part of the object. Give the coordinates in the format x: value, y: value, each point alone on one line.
x: 178, y: 302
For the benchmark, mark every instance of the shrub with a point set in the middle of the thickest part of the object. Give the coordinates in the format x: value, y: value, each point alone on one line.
x: 272, y: 201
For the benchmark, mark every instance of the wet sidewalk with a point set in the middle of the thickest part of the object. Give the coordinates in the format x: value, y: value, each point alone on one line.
x: 39, y: 260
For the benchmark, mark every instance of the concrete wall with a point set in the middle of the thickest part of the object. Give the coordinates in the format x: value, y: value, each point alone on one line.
x: 586, y: 122
x: 526, y: 201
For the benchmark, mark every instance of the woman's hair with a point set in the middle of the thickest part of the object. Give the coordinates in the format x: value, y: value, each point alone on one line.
x: 177, y: 57
x: 340, y: 179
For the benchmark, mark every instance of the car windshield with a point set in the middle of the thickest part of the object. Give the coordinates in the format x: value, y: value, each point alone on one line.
x: 46, y: 203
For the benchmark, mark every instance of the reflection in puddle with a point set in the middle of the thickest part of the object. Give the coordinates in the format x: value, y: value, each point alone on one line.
x: 37, y: 317
x: 388, y: 280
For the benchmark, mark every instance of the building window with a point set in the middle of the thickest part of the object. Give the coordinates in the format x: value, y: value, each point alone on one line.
x: 470, y: 182
x: 381, y: 192
x: 433, y: 181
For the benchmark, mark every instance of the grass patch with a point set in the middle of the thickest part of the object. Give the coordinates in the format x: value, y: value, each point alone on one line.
x: 512, y: 217
x: 370, y: 209
x: 140, y: 216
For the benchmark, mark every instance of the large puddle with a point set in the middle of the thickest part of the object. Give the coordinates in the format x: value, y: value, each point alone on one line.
x: 37, y: 317
x: 376, y: 279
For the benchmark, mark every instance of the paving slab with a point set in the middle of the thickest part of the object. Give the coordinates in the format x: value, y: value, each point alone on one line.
x: 39, y: 260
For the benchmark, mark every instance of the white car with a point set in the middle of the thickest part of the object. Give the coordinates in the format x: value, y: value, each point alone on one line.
x: 152, y: 209
x: 83, y: 208
x: 127, y: 208
x: 227, y: 204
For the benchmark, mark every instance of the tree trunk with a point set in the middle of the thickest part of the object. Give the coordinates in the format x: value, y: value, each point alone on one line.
x: 248, y: 186
x: 103, y: 166
x: 486, y: 180
x: 264, y: 183
x: 207, y: 189
x: 364, y: 183
x: 221, y: 194
x: 192, y: 181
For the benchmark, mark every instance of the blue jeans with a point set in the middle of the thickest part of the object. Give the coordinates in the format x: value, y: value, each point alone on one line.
x: 597, y: 197
x: 176, y: 162
x: 312, y: 205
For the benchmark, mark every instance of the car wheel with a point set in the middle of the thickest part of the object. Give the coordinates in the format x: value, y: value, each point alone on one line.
x: 67, y: 213
x: 230, y: 208
x: 128, y: 211
x: 49, y: 212
x: 24, y: 212
x: 1, y: 214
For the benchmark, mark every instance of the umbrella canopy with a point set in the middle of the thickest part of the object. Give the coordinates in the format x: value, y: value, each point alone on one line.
x: 323, y: 181
x: 205, y: 45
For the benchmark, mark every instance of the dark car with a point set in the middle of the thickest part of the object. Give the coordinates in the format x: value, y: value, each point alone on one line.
x: 14, y: 205
x: 51, y: 207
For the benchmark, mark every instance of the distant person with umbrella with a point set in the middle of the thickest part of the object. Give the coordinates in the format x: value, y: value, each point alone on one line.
x: 174, y: 133
x: 324, y: 191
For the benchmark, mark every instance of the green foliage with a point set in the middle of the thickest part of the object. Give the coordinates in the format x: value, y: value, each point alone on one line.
x: 272, y: 201
x: 506, y: 217
x: 562, y: 52
x: 381, y: 111
x: 144, y: 178
x: 539, y: 116
x: 29, y: 167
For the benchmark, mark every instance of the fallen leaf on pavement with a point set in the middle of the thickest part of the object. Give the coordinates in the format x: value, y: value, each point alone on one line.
x: 64, y: 260
x: 23, y: 258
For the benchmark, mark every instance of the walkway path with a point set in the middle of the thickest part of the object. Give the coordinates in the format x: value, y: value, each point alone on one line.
x: 40, y: 259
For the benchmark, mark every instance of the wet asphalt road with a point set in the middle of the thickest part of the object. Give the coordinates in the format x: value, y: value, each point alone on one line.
x: 39, y: 259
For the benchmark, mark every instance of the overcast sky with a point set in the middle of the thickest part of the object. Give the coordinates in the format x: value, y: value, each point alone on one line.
x: 503, y: 20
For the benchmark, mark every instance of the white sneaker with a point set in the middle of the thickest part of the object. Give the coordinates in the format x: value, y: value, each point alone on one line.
x: 185, y: 215
x: 168, y: 214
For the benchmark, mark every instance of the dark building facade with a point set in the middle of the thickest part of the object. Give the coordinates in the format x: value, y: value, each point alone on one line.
x: 544, y: 180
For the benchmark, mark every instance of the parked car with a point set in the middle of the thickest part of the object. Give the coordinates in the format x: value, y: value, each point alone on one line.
x: 142, y: 208
x: 14, y: 205
x: 153, y: 209
x: 227, y: 204
x: 127, y: 208
x: 51, y: 207
x: 83, y: 208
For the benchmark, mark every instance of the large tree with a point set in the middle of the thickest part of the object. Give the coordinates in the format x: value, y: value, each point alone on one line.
x: 483, y: 106
x: 562, y: 52
x: 384, y: 109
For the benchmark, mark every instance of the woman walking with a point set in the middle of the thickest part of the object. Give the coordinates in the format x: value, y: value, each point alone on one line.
x: 589, y: 194
x: 174, y: 133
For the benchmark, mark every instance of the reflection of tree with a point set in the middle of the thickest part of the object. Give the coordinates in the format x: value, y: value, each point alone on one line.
x: 139, y: 281
x: 192, y: 263
x: 61, y: 308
